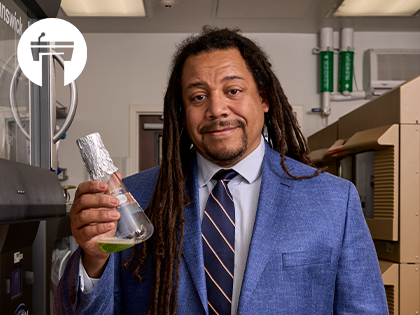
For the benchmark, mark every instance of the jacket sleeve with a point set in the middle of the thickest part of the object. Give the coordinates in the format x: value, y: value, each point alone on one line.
x: 104, y: 299
x: 359, y: 285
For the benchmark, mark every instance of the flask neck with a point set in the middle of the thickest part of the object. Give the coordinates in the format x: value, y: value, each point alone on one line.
x: 115, y: 185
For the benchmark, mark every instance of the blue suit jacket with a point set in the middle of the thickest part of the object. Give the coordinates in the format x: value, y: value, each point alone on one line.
x: 310, y: 253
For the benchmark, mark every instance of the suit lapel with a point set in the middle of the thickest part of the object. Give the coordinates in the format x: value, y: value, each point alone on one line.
x: 276, y: 187
x: 192, y: 248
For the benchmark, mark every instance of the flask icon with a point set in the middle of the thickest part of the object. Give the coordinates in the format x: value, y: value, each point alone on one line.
x: 133, y: 226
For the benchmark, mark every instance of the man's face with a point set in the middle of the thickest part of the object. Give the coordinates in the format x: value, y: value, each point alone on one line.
x: 224, y: 112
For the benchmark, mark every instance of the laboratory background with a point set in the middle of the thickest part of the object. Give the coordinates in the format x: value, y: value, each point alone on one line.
x: 350, y: 70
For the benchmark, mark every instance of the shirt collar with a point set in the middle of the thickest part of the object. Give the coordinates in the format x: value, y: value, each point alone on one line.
x: 249, y: 168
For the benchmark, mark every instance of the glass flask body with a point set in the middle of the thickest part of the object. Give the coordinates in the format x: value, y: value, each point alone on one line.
x: 133, y: 226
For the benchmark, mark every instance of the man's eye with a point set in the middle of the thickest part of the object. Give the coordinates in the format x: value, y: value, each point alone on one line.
x: 199, y: 97
x: 234, y: 92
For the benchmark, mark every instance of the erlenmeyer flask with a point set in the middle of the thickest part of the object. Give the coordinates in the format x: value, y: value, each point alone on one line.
x: 133, y: 226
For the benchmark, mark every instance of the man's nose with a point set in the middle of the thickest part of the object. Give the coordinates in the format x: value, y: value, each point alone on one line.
x: 217, y: 106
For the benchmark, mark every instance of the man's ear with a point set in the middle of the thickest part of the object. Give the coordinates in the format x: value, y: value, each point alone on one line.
x: 264, y: 100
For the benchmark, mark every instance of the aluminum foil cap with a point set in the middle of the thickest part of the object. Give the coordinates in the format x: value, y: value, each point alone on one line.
x: 96, y: 157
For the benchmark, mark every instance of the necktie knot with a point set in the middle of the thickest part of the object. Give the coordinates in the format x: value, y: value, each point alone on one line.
x: 225, y: 175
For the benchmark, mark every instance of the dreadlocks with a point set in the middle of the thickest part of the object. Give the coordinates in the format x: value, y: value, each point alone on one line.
x: 169, y: 199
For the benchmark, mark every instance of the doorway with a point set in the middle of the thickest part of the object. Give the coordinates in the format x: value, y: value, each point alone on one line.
x: 150, y: 141
x: 146, y: 125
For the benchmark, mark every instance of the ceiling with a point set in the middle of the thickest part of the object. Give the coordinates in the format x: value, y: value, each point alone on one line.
x: 251, y: 16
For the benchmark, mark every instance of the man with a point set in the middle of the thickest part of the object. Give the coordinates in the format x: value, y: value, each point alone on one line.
x: 301, y: 245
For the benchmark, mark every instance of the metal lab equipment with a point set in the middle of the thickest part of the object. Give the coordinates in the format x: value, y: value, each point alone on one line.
x: 32, y: 203
x: 28, y: 194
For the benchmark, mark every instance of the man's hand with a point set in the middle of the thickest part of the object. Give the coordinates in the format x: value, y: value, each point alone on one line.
x: 93, y: 215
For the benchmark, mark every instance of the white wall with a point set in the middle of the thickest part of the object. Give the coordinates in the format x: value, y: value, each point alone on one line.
x: 132, y: 69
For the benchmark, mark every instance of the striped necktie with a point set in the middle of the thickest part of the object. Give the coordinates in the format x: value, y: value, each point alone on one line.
x: 218, y: 233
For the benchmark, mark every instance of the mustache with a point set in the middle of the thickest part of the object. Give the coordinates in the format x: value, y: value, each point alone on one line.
x: 218, y: 124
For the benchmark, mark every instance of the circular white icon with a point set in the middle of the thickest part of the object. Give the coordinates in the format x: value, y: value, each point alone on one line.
x: 51, y: 37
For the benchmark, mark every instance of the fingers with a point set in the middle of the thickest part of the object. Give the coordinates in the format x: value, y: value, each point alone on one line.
x: 91, y: 224
x: 88, y: 201
x: 85, y: 232
x: 92, y: 215
x: 91, y: 187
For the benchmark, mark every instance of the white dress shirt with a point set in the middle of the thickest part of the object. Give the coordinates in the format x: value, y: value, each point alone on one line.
x: 245, y: 189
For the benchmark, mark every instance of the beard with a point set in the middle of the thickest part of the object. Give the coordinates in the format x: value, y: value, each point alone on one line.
x: 231, y: 153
